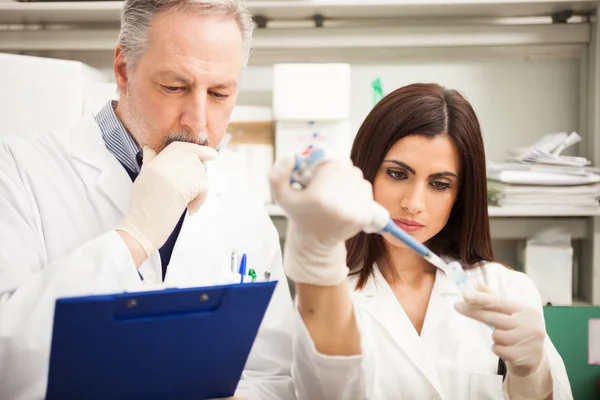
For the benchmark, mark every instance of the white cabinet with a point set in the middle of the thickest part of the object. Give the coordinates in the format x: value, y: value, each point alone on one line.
x: 55, y: 92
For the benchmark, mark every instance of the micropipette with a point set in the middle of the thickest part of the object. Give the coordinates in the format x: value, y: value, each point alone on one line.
x: 306, y: 166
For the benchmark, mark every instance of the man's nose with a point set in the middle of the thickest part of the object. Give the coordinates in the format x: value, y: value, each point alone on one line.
x: 194, y: 113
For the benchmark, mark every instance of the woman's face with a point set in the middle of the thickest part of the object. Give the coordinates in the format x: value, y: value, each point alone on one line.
x: 417, y: 183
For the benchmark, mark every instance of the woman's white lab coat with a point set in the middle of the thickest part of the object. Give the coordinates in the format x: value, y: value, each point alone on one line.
x: 451, y: 359
x: 61, y: 194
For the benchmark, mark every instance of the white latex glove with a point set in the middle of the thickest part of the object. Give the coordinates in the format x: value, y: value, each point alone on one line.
x: 335, y: 206
x: 168, y: 183
x: 518, y: 337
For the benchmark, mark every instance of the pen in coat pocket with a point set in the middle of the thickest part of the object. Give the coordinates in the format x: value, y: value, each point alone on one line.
x: 243, y: 268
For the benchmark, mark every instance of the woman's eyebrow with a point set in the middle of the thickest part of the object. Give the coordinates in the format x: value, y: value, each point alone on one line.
x: 445, y: 174
x: 402, y: 165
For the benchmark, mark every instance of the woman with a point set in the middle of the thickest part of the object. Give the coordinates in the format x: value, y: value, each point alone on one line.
x: 399, y: 328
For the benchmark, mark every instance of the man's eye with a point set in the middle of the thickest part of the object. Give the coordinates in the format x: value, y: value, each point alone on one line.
x: 219, y: 96
x: 173, y: 89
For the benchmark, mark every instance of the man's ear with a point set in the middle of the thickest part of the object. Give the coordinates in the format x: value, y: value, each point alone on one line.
x: 120, y: 69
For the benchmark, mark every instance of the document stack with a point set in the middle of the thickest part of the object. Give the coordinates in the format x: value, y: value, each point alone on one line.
x: 539, y: 176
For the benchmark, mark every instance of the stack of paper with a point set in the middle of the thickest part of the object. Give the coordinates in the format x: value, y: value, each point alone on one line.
x: 547, y: 150
x: 540, y: 176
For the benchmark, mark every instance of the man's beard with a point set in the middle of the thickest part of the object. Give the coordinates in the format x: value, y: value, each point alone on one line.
x: 135, y: 122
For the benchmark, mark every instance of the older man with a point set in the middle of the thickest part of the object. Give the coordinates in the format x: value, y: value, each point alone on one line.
x: 101, y: 206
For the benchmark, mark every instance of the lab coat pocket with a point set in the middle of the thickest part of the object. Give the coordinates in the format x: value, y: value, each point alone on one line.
x: 486, y: 387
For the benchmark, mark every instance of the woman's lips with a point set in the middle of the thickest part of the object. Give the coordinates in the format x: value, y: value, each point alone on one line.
x: 408, y: 225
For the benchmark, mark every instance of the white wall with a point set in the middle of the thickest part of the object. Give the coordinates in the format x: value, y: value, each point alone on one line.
x: 509, y: 115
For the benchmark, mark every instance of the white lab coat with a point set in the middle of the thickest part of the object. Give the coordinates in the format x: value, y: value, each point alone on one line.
x: 451, y: 359
x: 61, y: 195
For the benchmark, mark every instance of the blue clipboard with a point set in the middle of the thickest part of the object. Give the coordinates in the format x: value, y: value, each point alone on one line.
x: 167, y: 344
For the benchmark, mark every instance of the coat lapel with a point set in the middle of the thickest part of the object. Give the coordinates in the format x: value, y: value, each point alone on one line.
x: 95, y: 163
x: 441, y: 304
x: 385, y: 308
x: 201, y: 248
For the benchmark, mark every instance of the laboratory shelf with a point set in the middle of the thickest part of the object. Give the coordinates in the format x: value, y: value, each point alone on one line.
x: 352, y: 9
x: 12, y: 12
x: 494, y: 211
x: 352, y: 31
x: 68, y: 12
x: 503, y: 212
x: 577, y: 302
x: 522, y: 39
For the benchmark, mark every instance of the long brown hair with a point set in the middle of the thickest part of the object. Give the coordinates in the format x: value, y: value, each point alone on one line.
x: 428, y: 110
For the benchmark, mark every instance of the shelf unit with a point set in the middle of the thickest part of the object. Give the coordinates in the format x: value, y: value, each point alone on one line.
x: 501, y: 212
x: 350, y: 30
x: 108, y: 12
x: 372, y: 32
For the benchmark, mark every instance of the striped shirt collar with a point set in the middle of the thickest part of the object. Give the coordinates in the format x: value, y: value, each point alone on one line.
x: 116, y: 138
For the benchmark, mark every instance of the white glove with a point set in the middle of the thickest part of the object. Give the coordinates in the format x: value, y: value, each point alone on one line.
x: 518, y: 337
x: 167, y: 184
x: 335, y: 206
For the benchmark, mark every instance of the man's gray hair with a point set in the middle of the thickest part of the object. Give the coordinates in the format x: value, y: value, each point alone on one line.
x: 137, y: 17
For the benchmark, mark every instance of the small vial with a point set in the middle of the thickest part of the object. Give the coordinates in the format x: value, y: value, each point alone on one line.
x: 458, y: 275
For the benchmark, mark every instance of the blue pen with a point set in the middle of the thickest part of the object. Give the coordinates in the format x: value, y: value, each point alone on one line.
x: 243, y: 268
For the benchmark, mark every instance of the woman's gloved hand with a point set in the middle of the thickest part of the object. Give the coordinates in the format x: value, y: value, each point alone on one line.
x: 518, y: 337
x: 334, y: 207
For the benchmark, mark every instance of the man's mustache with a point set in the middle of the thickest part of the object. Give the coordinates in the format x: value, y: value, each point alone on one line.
x: 201, y: 139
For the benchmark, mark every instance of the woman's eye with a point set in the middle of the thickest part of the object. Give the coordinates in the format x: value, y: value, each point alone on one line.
x: 440, y: 185
x: 394, y: 174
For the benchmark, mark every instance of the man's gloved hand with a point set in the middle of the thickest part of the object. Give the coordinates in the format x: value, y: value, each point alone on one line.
x: 334, y: 207
x: 168, y: 183
x: 518, y: 337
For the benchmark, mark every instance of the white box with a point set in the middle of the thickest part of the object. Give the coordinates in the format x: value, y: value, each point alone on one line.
x: 551, y: 269
x: 42, y: 94
x: 311, y: 92
x: 295, y: 137
x: 241, y: 113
